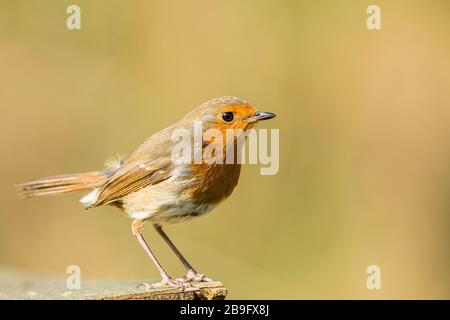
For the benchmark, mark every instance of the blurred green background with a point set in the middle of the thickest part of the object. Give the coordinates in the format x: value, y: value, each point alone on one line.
x: 364, y: 119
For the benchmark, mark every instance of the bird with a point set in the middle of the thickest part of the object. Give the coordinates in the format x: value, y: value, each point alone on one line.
x: 149, y: 186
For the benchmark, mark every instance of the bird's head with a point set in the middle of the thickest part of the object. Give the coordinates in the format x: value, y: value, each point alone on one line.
x: 227, y: 112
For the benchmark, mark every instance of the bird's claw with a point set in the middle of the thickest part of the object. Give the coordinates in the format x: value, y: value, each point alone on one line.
x: 192, y: 276
x: 172, y: 283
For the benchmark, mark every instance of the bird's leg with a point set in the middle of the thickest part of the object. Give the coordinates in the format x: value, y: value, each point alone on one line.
x: 192, y: 274
x: 136, y: 228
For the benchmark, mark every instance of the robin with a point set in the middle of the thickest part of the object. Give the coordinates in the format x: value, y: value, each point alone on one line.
x: 150, y: 187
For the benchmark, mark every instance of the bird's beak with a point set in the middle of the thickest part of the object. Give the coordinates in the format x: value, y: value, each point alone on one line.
x: 259, y: 115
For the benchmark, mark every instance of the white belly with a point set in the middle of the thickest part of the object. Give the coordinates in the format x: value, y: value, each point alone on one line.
x: 164, y: 202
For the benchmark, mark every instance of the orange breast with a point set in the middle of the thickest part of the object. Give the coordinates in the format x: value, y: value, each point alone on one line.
x: 215, y: 182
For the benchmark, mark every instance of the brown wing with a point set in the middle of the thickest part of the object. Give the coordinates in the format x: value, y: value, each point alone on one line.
x: 149, y: 164
x: 131, y: 178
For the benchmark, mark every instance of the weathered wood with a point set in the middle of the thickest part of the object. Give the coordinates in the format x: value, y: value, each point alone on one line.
x: 199, y: 291
x: 19, y: 285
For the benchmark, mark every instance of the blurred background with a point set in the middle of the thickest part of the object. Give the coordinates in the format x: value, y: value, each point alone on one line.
x: 364, y: 119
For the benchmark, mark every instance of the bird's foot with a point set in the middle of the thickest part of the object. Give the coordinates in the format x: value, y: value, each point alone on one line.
x: 192, y: 275
x: 171, y: 283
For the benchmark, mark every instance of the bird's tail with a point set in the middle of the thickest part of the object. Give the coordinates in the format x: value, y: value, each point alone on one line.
x: 60, y: 184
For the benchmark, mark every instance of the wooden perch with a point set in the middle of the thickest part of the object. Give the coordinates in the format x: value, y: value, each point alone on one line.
x: 17, y: 285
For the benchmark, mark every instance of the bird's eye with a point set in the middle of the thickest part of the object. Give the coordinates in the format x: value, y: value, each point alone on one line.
x: 228, y: 116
